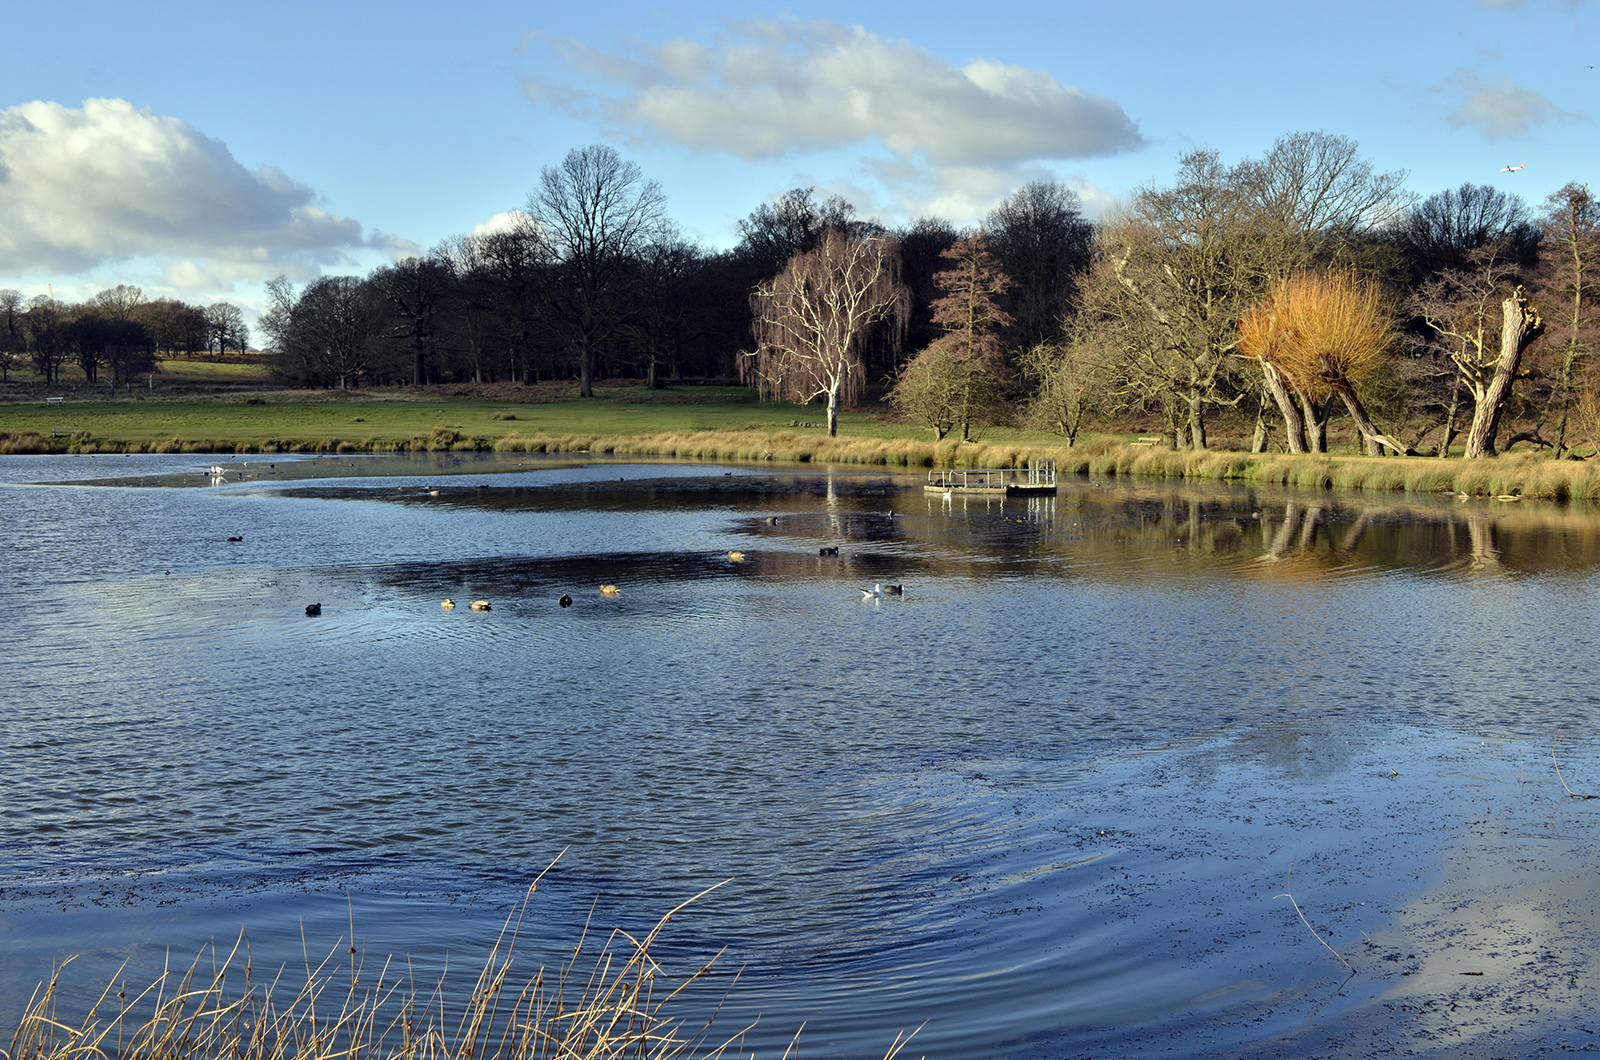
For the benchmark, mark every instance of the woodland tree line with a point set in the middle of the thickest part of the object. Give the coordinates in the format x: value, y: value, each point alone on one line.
x: 118, y: 330
x: 1283, y: 291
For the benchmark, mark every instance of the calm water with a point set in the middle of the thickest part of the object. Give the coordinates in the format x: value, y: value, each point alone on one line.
x: 1042, y: 803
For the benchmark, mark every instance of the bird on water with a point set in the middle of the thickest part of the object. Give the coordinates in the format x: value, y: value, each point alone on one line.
x: 610, y: 590
x: 872, y: 593
x: 313, y: 609
x: 894, y: 590
x: 565, y: 601
x: 479, y: 605
x: 448, y: 604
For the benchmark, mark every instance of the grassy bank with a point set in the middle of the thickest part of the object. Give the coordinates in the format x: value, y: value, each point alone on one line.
x: 725, y: 424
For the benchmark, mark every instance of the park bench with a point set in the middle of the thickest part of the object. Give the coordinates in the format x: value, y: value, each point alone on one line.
x: 54, y: 400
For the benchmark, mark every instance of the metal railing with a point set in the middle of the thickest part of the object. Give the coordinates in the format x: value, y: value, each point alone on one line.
x: 1038, y: 473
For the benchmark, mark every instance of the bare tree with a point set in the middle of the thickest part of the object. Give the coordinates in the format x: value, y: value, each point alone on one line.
x: 1044, y: 244
x: 598, y: 211
x: 44, y: 322
x: 413, y: 288
x: 1172, y: 278
x: 1571, y: 245
x: 662, y: 273
x: 1447, y: 228
x: 12, y: 340
x: 1068, y: 386
x: 1315, y: 189
x: 1459, y: 307
x: 227, y: 328
x: 793, y: 223
x: 119, y: 302
x: 812, y: 319
x: 329, y: 334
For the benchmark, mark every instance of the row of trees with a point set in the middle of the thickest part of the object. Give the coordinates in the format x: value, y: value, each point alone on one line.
x: 118, y: 329
x: 1285, y: 287
x: 594, y: 280
x: 1291, y: 285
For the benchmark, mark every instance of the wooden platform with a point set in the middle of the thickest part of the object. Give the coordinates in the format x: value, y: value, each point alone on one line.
x: 1039, y: 477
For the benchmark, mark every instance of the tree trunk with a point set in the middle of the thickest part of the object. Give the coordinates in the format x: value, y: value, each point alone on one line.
x: 1197, y: 423
x: 1294, y: 423
x: 1519, y: 323
x: 1450, y: 417
x: 1316, y: 423
x: 1373, y: 440
x: 586, y: 372
x: 833, y: 407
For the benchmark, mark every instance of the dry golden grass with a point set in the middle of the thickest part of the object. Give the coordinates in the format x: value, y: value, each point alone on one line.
x: 615, y: 1004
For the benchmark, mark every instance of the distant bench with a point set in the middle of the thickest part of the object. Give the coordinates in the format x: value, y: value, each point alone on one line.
x: 54, y: 400
x: 63, y: 430
x: 1149, y: 439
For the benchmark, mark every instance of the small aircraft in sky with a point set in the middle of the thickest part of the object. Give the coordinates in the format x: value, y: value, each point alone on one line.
x: 1512, y: 169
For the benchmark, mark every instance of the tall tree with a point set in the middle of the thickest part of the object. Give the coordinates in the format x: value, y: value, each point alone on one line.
x: 598, y: 211
x: 812, y: 319
x: 1044, y: 244
x: 793, y: 223
x: 1570, y: 252
x: 663, y: 272
x: 12, y: 337
x: 1447, y: 228
x: 1174, y: 274
x: 413, y: 288
x: 227, y: 329
x: 967, y: 362
x: 44, y: 322
x: 119, y: 302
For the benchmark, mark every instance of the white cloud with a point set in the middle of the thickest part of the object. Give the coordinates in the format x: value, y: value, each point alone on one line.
x: 505, y: 221
x: 951, y: 138
x: 1498, y: 107
x: 112, y: 182
x: 767, y: 88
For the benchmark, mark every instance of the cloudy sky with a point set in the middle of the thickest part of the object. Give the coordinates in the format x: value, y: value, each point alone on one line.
x: 200, y: 149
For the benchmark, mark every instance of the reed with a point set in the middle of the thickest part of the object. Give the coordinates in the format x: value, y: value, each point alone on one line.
x: 612, y: 1003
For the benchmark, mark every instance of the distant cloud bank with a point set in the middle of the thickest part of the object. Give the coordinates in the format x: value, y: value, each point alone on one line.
x: 107, y: 182
x: 766, y: 89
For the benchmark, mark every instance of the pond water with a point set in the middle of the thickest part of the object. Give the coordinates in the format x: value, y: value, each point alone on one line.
x: 1042, y: 804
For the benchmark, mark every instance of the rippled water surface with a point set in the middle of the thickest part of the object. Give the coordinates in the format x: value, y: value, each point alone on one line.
x: 1041, y: 804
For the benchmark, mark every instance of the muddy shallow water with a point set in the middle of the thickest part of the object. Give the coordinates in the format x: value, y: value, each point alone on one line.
x: 1044, y: 804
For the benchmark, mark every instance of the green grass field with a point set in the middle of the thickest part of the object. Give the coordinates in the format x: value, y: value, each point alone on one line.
x: 727, y: 424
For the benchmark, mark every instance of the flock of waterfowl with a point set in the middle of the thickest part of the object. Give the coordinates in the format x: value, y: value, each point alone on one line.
x: 878, y: 591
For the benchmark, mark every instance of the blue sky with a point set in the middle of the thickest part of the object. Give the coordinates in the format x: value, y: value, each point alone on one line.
x: 198, y: 149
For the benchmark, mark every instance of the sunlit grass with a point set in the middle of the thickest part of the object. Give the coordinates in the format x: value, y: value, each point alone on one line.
x: 726, y: 424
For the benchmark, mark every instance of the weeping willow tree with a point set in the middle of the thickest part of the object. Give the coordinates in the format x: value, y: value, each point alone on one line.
x: 1318, y: 336
x: 812, y: 319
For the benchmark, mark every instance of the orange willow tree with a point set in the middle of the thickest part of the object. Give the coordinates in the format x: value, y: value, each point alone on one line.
x: 812, y: 319
x: 1318, y: 336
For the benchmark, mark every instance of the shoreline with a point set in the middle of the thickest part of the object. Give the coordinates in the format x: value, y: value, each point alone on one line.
x: 1508, y: 477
